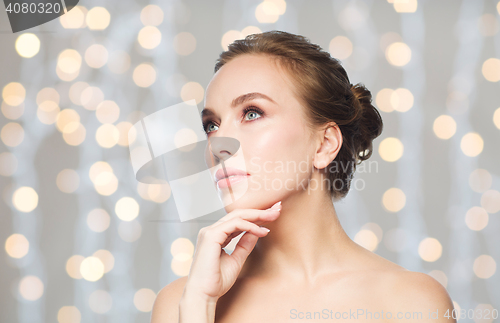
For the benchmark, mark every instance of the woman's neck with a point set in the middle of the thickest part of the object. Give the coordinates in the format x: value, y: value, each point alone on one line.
x: 305, y: 242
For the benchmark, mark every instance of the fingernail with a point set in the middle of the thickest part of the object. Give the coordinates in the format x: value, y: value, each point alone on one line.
x: 264, y: 228
x: 276, y: 205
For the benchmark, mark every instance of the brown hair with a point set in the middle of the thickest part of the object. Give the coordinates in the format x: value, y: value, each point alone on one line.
x: 323, y: 85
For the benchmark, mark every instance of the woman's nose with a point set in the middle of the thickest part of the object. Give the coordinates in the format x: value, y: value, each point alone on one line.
x: 223, y: 147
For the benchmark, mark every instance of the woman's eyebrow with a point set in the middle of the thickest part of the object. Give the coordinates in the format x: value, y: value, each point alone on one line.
x: 238, y: 101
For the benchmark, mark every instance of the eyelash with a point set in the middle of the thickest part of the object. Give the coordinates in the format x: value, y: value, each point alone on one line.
x: 243, y: 114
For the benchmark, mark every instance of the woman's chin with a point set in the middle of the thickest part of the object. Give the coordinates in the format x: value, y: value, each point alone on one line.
x: 244, y: 202
x: 233, y: 194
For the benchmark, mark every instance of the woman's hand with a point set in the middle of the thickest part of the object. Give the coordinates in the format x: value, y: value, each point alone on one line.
x: 213, y: 271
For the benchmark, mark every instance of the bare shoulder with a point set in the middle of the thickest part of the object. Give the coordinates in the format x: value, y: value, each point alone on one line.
x: 400, y: 290
x: 416, y: 292
x: 166, y: 305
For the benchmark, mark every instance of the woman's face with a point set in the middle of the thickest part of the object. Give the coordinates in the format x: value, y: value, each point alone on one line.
x: 276, y: 147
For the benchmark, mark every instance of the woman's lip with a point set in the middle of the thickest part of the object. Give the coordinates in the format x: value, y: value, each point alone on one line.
x: 231, y: 180
x: 228, y: 171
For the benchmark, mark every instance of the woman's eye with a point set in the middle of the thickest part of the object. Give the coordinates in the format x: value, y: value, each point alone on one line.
x: 208, y: 127
x: 252, y: 114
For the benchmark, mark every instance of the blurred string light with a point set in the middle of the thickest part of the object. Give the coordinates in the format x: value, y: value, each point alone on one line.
x: 104, y: 180
x: 394, y: 200
x: 430, y: 249
x: 404, y: 6
x: 127, y: 208
x: 92, y: 269
x: 11, y: 112
x: 107, y: 111
x: 490, y: 201
x: 269, y: 11
x: 106, y: 183
x: 496, y: 118
x: 184, y: 43
x: 75, y: 92
x: 25, y: 199
x: 149, y: 37
x: 444, y: 127
x: 480, y: 180
x: 98, y: 220
x: 75, y: 18
x: 73, y: 266
x: 340, y: 47
x: 391, y: 149
x: 12, y: 134
x: 107, y: 135
x: 75, y: 134
x: 389, y: 100
x: 398, y: 54
x: 69, y: 314
x: 106, y: 258
x: 476, y: 218
x: 158, y: 193
x: 48, y: 105
x: 98, y: 18
x: 17, y: 246
x: 67, y: 120
x: 484, y: 266
x: 144, y: 299
x: 27, y: 45
x: 31, y: 288
x: 472, y: 144
x: 367, y: 239
x: 232, y: 35
x: 127, y: 133
x: 491, y: 69
x: 68, y: 180
x: 144, y: 75
x: 91, y: 97
x: 68, y: 66
x: 151, y: 15
x: 192, y: 90
x: 182, y: 250
x: 13, y: 94
x: 248, y: 30
x: 96, y: 56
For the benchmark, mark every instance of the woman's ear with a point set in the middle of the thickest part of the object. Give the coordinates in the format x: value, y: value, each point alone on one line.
x: 329, y: 144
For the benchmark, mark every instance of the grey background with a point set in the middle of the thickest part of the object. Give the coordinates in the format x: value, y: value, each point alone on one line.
x: 445, y: 42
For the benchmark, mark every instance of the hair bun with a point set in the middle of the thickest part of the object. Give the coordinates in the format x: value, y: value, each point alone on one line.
x: 369, y: 121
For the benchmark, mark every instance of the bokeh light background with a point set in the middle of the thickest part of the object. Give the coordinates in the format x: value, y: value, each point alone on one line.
x: 83, y: 241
